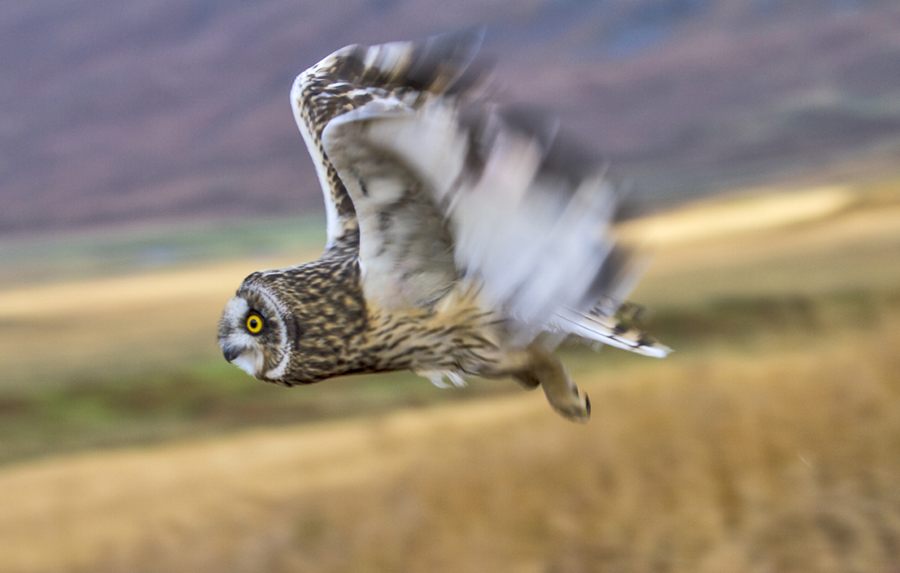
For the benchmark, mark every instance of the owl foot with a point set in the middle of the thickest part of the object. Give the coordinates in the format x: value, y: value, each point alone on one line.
x: 562, y: 394
x: 572, y: 404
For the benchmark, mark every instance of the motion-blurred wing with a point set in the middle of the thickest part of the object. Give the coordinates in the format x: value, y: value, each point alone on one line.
x: 357, y: 75
x: 447, y: 190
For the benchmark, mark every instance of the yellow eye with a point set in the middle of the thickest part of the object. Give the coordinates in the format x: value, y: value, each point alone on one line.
x: 254, y: 324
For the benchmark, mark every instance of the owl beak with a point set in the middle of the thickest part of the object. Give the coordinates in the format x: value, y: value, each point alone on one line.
x: 231, y: 353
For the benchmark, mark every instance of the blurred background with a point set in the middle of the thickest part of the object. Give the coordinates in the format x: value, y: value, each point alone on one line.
x: 149, y: 161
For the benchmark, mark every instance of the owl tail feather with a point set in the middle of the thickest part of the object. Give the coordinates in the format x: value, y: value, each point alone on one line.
x: 609, y: 330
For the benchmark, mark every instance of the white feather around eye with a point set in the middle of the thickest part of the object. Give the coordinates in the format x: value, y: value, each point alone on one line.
x: 235, y: 310
x: 250, y: 361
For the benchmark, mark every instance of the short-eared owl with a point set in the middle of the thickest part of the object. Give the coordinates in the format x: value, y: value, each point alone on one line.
x: 464, y: 239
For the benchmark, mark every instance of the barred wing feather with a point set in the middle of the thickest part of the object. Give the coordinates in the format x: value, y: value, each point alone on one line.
x: 356, y: 75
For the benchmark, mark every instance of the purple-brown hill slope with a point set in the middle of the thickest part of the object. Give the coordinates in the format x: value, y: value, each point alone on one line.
x: 128, y: 110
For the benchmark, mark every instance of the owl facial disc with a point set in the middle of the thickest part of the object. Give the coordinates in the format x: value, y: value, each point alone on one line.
x: 252, y: 334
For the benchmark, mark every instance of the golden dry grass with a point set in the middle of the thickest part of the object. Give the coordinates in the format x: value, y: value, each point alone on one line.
x: 716, y: 218
x: 851, y: 249
x: 784, y: 460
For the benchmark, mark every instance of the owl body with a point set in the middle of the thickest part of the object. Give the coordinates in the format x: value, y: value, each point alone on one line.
x: 463, y: 238
x: 318, y: 325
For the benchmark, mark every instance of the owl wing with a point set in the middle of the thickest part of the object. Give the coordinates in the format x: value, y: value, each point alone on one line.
x: 356, y: 75
x: 448, y: 188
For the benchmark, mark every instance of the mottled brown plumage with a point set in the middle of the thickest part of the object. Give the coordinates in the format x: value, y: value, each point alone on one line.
x: 463, y: 239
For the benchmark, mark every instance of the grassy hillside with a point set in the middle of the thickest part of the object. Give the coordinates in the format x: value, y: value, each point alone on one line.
x: 769, y: 441
x: 131, y: 357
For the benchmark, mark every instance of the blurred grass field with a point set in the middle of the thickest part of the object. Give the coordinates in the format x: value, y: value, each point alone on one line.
x: 770, y: 441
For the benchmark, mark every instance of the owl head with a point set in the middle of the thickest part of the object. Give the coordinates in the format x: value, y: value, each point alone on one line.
x: 256, y: 331
x: 297, y: 325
